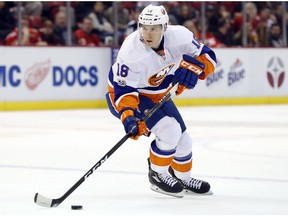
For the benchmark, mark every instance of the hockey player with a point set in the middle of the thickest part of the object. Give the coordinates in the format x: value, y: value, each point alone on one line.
x: 149, y: 61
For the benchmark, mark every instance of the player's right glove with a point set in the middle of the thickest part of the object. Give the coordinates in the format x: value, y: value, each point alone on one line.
x: 132, y: 124
x: 187, y: 74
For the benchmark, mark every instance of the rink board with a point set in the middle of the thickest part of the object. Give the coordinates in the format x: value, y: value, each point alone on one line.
x: 48, y: 105
x: 34, y: 78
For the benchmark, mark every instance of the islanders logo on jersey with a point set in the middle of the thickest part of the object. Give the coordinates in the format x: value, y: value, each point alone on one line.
x: 157, y: 78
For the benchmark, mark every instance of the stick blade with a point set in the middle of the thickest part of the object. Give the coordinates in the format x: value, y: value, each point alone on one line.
x: 42, y: 200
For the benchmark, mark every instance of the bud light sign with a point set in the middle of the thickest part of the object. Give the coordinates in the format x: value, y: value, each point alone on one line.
x: 236, y: 73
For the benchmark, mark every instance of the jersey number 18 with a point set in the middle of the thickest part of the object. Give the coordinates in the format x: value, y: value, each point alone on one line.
x: 122, y: 70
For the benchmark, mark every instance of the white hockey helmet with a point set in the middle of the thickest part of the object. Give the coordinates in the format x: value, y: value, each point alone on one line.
x: 154, y: 15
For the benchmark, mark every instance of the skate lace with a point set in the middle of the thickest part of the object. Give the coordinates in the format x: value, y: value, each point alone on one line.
x: 193, y: 183
x: 167, y: 179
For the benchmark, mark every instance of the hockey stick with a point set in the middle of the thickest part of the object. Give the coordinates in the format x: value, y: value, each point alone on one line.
x: 47, y: 202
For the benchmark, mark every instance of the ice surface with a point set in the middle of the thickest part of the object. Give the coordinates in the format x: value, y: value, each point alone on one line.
x: 241, y: 150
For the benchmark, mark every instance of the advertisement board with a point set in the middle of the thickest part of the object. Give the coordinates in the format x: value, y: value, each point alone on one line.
x: 47, y: 74
x: 75, y: 77
x: 245, y: 72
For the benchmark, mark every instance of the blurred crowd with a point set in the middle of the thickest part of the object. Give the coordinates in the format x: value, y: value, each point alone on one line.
x: 93, y: 23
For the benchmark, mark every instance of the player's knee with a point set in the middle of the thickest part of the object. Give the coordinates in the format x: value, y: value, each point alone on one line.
x: 167, y: 132
x: 184, y: 145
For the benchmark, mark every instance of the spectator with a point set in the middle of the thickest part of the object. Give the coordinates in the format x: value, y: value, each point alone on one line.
x: 7, y: 21
x: 279, y: 12
x: 46, y: 32
x: 210, y: 39
x: 223, y: 33
x: 275, y: 36
x: 123, y: 19
x: 212, y: 18
x: 185, y: 12
x: 60, y: 28
x: 133, y: 24
x: 267, y: 17
x: 82, y: 10
x: 40, y: 14
x: 33, y: 9
x: 262, y: 32
x: 252, y: 17
x: 100, y: 23
x: 85, y: 36
x: 266, y: 20
x: 30, y: 36
x: 54, y: 7
x: 252, y: 36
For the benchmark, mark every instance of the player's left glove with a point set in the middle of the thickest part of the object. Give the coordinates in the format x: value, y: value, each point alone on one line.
x: 190, y: 69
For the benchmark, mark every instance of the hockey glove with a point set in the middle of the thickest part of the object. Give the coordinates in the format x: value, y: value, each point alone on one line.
x: 132, y: 125
x: 187, y: 74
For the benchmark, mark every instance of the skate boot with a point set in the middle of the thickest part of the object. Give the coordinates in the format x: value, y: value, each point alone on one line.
x: 192, y: 185
x: 164, y: 183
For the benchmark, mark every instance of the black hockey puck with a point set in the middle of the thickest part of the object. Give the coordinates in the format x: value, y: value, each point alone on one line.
x: 76, y: 207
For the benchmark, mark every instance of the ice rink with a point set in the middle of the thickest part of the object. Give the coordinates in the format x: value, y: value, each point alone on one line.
x: 242, y: 151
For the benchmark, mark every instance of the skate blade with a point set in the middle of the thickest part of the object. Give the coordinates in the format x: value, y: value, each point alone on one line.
x: 200, y: 194
x: 158, y: 190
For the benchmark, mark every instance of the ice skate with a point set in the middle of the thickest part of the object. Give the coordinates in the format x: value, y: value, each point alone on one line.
x: 192, y: 185
x: 165, y: 184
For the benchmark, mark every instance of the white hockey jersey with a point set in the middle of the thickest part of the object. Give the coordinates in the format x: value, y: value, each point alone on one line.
x: 140, y: 70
